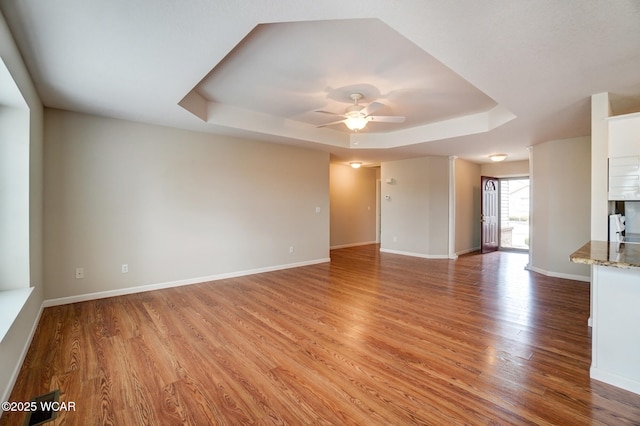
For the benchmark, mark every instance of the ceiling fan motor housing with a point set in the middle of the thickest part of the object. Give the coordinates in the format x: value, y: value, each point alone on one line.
x: 354, y: 110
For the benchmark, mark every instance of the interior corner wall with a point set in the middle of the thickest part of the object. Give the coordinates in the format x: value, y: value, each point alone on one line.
x: 17, y: 339
x: 561, y: 202
x: 353, y: 205
x: 174, y: 205
x: 467, y: 226
x: 415, y: 207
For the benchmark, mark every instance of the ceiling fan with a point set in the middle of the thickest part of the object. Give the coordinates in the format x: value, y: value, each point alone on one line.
x: 357, y: 116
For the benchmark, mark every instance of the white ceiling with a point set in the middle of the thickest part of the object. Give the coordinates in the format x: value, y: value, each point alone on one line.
x: 472, y: 77
x: 291, y: 70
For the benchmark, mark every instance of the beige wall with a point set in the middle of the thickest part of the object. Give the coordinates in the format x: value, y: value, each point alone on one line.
x: 415, y: 217
x: 174, y: 205
x: 14, y: 345
x: 561, y: 203
x: 506, y: 169
x: 353, y: 205
x: 467, y: 185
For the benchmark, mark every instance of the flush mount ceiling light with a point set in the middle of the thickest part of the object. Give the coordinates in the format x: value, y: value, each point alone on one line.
x: 498, y: 157
x: 355, y: 164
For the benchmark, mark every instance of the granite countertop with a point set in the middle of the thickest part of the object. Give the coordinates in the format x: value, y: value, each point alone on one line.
x: 606, y: 253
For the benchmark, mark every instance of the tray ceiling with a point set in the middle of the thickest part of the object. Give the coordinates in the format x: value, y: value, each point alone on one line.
x: 472, y: 78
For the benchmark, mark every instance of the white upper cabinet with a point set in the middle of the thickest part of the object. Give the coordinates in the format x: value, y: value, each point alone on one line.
x: 624, y: 157
x: 624, y: 135
x: 624, y: 178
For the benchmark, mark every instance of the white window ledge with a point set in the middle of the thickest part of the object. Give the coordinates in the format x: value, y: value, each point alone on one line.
x: 11, y: 303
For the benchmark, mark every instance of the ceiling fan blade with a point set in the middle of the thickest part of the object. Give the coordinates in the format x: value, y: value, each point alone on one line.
x: 386, y: 118
x: 332, y: 123
x: 330, y: 113
x: 373, y: 106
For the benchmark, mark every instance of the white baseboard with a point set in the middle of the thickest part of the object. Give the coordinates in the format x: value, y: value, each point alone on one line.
x: 408, y: 253
x: 615, y: 380
x: 558, y: 274
x: 159, y: 286
x: 352, y: 245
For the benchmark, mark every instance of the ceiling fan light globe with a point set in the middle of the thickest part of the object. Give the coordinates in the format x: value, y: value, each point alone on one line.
x: 356, y: 122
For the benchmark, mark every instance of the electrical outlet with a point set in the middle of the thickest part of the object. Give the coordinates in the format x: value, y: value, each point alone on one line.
x: 79, y: 273
x: 125, y: 268
x: 292, y: 249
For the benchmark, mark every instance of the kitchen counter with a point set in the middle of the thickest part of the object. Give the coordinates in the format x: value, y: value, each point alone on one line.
x: 615, y: 311
x: 604, y: 253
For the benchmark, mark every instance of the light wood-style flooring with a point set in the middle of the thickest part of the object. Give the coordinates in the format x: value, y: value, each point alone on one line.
x: 368, y: 339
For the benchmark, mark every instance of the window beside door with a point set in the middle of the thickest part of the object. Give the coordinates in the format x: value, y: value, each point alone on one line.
x: 514, y: 213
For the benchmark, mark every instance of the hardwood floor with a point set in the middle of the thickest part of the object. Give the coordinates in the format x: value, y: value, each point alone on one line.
x: 371, y: 338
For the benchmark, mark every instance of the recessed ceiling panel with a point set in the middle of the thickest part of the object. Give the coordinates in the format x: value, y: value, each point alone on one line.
x: 291, y: 70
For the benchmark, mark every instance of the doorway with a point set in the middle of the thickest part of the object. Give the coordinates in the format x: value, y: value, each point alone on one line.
x: 490, y: 215
x: 514, y: 213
